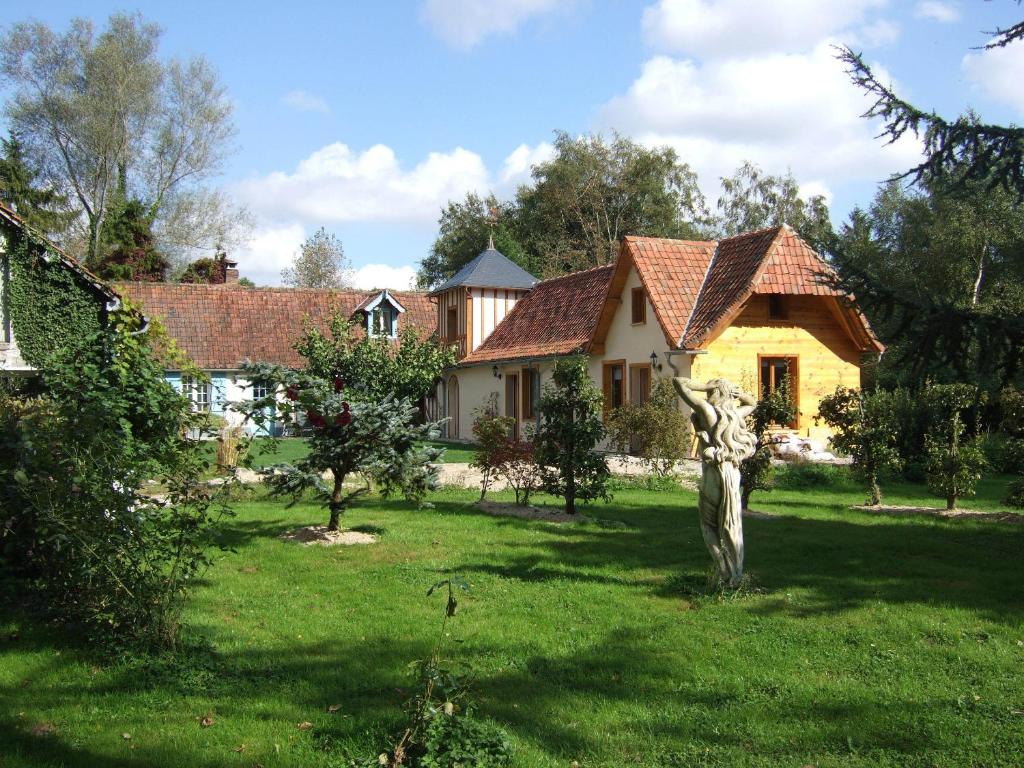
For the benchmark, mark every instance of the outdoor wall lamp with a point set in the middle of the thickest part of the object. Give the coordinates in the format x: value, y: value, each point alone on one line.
x: 495, y: 372
x: 654, y: 361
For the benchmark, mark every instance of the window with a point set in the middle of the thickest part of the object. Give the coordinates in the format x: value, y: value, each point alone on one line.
x: 639, y: 383
x: 453, y: 323
x: 773, y: 373
x: 614, y: 385
x: 778, y: 307
x: 638, y: 301
x: 383, y: 321
x: 260, y: 390
x: 531, y: 392
x: 197, y: 392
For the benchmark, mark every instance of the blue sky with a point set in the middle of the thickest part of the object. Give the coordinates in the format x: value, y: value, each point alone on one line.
x: 366, y: 117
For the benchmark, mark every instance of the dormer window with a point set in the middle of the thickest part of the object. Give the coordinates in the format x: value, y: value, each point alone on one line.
x: 382, y: 312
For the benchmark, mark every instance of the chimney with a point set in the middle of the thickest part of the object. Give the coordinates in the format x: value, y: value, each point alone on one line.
x: 230, y: 272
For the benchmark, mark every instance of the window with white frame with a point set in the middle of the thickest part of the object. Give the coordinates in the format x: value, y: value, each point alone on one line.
x: 197, y: 392
x: 384, y: 321
x: 260, y: 390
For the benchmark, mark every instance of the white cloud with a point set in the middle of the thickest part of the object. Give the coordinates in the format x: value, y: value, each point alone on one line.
x: 339, y: 184
x: 270, y: 250
x: 723, y: 28
x: 875, y: 34
x: 945, y: 13
x: 794, y: 111
x: 305, y: 102
x: 517, y: 166
x: 465, y: 23
x: 997, y: 73
x: 382, y: 276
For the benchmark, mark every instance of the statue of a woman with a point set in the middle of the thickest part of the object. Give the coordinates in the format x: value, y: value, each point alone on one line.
x: 725, y: 441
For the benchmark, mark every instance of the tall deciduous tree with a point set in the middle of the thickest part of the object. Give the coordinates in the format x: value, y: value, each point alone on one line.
x: 752, y: 199
x: 320, y: 263
x: 42, y: 207
x: 102, y: 114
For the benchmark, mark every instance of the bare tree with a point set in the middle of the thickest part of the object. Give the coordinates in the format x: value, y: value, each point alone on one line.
x: 320, y: 263
x: 103, y: 117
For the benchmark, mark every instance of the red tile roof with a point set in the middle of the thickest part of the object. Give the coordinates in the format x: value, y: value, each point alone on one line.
x: 557, y: 317
x: 672, y: 272
x: 221, y: 326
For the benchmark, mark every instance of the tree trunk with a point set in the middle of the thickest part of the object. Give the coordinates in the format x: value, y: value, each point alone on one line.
x: 981, y: 275
x: 336, y: 505
x: 951, y: 501
x: 876, y: 492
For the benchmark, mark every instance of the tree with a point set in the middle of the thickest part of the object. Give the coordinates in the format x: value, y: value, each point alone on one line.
x: 373, y: 367
x: 753, y: 200
x: 957, y: 154
x: 463, y: 231
x: 491, y: 438
x: 570, y: 429
x: 99, y: 113
x: 128, y: 251
x: 374, y: 439
x: 955, y: 459
x: 773, y: 409
x: 863, y: 428
x: 21, y: 189
x: 320, y: 263
x: 209, y: 271
x: 593, y: 192
x: 927, y: 246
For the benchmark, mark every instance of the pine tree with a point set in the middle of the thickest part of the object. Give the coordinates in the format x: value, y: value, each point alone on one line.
x: 41, y: 207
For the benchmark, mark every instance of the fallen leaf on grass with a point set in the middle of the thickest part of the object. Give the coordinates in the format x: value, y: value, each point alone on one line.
x: 206, y: 721
x: 332, y: 708
x: 126, y: 736
x: 304, y: 725
x: 43, y: 729
x: 239, y: 749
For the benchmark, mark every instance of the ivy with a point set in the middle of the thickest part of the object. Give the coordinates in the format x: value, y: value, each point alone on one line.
x: 52, y: 308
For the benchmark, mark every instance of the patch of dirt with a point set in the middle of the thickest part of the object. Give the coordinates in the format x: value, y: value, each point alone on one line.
x: 508, y: 509
x: 953, y: 514
x: 319, y: 535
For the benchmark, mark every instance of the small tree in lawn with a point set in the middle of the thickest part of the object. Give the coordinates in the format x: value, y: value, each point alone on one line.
x: 570, y: 429
x: 953, y: 452
x: 757, y: 472
x: 352, y: 439
x: 865, y: 429
x: 491, y: 436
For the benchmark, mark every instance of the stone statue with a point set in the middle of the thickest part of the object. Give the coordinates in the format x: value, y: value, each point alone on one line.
x: 725, y: 441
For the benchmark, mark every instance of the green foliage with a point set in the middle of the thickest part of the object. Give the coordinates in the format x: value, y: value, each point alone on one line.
x: 863, y: 428
x: 127, y: 250
x: 656, y: 430
x: 245, y: 282
x: 106, y: 556
x: 575, y: 211
x: 375, y: 439
x: 320, y: 263
x: 53, y: 310
x: 373, y: 367
x: 209, y: 271
x: 42, y: 207
x: 570, y: 429
x: 450, y: 741
x: 775, y: 409
x: 491, y: 438
x: 1015, y: 493
x: 752, y: 200
x: 955, y: 458
x: 807, y: 476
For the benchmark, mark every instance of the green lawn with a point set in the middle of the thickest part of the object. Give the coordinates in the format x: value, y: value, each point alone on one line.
x: 292, y: 448
x: 871, y: 641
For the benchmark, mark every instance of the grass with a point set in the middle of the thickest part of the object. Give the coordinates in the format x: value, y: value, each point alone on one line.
x: 868, y: 641
x: 292, y: 448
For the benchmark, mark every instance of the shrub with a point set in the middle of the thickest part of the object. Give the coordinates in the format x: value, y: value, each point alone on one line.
x: 521, y: 471
x: 491, y: 435
x: 657, y: 430
x: 865, y: 429
x: 757, y: 472
x: 231, y: 446
x: 805, y: 476
x: 105, y: 556
x: 955, y: 458
x: 1015, y: 493
x: 570, y: 429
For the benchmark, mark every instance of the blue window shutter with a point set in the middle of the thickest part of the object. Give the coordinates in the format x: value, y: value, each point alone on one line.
x: 174, y: 379
x: 219, y: 382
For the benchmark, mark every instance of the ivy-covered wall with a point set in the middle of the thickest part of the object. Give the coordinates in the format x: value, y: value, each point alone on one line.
x: 52, y: 308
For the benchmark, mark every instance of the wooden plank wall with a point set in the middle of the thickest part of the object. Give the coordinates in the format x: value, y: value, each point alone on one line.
x: 827, y: 356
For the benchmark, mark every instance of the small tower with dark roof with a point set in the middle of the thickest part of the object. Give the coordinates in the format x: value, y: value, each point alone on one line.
x: 472, y: 302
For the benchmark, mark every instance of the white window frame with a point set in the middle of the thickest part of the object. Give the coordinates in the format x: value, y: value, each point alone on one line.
x: 198, y: 393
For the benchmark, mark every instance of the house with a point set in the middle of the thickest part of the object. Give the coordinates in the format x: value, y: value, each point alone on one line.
x: 221, y: 327
x: 752, y: 309
x: 48, y: 301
